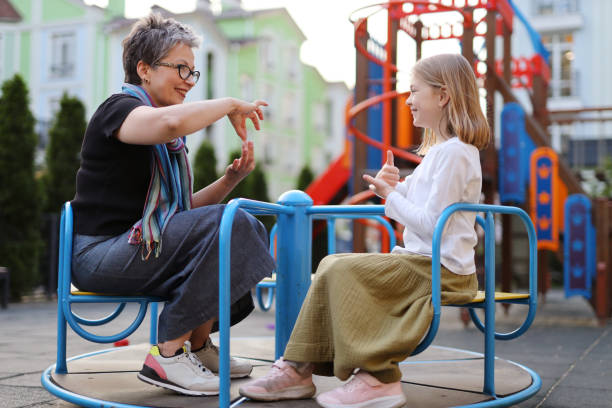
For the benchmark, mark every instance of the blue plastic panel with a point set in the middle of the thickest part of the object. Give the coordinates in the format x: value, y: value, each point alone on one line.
x: 578, y: 247
x: 511, y: 159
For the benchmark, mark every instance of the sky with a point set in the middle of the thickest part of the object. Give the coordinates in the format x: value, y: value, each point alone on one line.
x: 325, y: 23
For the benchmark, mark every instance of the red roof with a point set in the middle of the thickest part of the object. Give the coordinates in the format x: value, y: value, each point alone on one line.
x: 8, y: 12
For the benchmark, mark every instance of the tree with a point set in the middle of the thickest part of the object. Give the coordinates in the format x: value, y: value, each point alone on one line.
x: 62, y: 155
x: 259, y: 191
x: 305, y: 178
x: 258, y: 185
x: 19, y: 192
x: 204, y: 166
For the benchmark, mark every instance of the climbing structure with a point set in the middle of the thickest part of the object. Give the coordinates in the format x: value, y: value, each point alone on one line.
x: 378, y: 119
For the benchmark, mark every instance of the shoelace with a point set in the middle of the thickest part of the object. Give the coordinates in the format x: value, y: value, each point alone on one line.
x: 213, y: 347
x: 276, y: 368
x: 196, y: 361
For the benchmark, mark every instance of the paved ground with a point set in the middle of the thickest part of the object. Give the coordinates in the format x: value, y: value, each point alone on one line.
x: 565, y: 346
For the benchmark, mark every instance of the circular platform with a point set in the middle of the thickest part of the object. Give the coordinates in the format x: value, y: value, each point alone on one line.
x: 438, y: 377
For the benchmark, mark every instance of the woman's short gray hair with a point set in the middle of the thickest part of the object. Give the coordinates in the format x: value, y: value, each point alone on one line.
x: 150, y: 40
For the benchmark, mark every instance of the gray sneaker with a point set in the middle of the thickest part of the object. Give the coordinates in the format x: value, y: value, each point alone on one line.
x: 209, y: 355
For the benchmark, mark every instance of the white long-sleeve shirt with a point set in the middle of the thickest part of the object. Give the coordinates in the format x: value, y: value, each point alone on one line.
x: 449, y: 173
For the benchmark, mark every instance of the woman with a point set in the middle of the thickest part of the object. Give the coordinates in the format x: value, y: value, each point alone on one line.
x: 140, y: 229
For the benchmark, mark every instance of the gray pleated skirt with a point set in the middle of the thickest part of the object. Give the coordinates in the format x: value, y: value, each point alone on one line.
x: 186, y: 272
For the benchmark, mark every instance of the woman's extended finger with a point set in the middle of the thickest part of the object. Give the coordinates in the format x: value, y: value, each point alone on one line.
x: 240, y: 127
x: 255, y: 120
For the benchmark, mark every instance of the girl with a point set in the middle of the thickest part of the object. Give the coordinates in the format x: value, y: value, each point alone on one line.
x: 364, y: 313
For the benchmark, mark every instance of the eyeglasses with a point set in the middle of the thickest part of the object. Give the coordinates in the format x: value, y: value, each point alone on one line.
x: 183, y: 70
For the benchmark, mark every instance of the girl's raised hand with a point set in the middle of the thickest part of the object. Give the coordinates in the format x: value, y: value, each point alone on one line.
x: 243, y: 111
x: 389, y: 173
x: 378, y: 185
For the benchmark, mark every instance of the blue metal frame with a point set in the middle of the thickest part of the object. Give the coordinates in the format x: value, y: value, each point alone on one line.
x: 331, y: 249
x: 489, y: 304
x: 295, y: 213
x: 65, y: 315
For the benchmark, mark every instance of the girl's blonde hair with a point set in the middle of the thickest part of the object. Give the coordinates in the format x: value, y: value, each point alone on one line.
x: 463, y: 115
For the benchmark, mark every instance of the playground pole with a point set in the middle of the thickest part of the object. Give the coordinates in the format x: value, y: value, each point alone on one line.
x: 490, y: 155
x: 540, y: 96
x: 603, y: 282
x: 507, y: 269
x: 467, y: 44
x: 361, y: 123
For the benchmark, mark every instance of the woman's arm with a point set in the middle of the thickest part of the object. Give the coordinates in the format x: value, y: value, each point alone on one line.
x: 215, y: 192
x: 147, y: 125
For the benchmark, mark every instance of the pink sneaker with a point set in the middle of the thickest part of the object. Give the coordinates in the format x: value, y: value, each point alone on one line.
x: 364, y: 391
x: 283, y: 382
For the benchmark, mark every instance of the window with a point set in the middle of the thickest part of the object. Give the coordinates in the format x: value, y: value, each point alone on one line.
x: 268, y: 56
x: 270, y: 110
x: 246, y: 87
x: 555, y: 7
x: 289, y: 108
x: 319, y: 117
x: 269, y: 151
x: 63, y: 55
x: 292, y: 62
x: 564, y: 78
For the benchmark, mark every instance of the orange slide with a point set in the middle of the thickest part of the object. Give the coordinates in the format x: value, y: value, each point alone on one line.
x: 327, y: 185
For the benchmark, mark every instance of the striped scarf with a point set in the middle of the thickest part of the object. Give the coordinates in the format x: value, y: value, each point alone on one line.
x: 170, y: 188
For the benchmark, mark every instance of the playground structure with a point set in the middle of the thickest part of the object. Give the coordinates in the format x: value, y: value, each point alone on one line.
x: 378, y: 120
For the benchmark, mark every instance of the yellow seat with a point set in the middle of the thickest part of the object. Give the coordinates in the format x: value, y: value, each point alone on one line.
x: 500, y: 296
x: 480, y: 295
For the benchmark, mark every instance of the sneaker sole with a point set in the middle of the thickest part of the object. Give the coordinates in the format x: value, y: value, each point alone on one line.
x: 237, y: 375
x: 382, y: 402
x: 174, y: 387
x: 292, y: 393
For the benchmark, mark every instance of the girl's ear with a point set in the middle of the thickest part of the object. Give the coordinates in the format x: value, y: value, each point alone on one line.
x: 443, y: 97
x: 142, y: 68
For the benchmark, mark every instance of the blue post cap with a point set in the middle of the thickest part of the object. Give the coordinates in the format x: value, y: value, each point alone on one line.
x: 295, y: 198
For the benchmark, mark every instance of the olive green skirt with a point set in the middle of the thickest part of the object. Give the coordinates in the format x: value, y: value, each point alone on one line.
x: 370, y: 311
